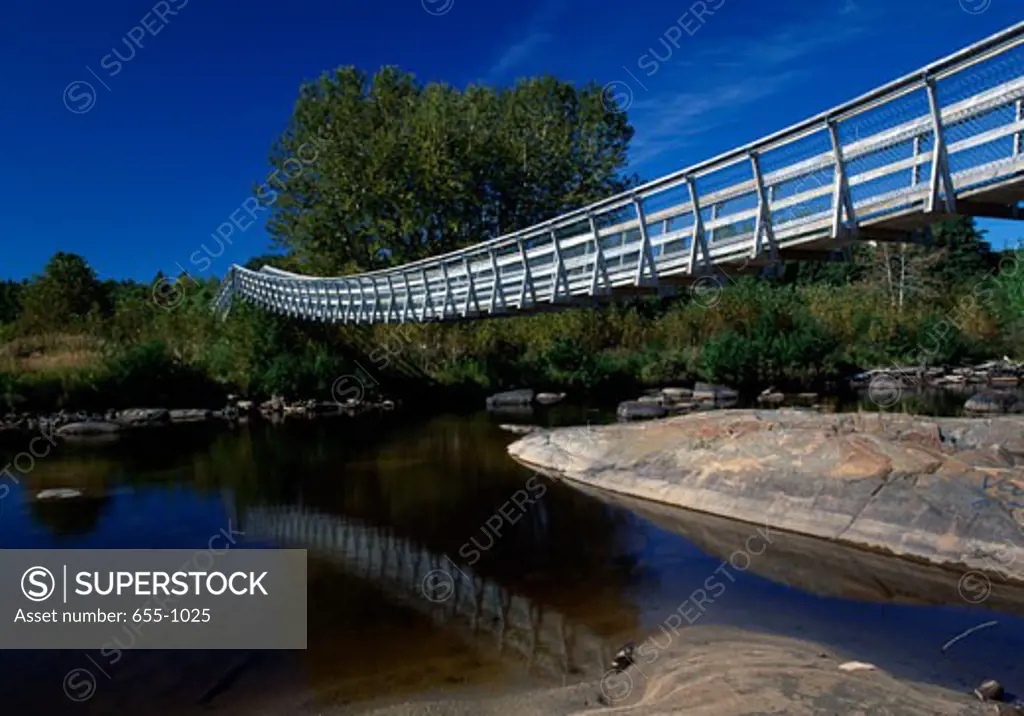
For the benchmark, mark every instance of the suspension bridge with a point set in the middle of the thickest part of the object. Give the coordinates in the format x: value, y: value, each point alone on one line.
x: 946, y: 139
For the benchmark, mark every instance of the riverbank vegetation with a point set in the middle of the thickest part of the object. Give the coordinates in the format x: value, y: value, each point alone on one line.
x: 395, y: 171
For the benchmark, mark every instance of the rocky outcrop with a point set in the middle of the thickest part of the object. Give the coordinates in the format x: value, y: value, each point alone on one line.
x: 948, y: 491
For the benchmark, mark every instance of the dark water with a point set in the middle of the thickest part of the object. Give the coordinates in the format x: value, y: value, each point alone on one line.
x: 559, y: 580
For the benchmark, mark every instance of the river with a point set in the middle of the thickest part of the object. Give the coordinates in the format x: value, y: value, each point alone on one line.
x: 439, y: 566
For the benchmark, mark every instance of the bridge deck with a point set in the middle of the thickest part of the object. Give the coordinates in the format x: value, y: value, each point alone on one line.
x: 946, y: 139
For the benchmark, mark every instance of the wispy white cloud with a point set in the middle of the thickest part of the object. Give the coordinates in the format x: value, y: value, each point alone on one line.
x: 737, y: 73
x: 516, y: 53
x: 535, y: 35
x: 670, y: 121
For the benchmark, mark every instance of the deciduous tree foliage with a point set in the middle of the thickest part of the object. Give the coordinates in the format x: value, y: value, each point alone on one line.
x: 405, y: 170
x: 66, y: 291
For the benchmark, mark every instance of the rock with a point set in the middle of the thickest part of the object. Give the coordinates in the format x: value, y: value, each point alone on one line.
x: 991, y: 401
x: 658, y: 399
x: 58, y: 493
x: 550, y: 398
x: 324, y: 407
x: 510, y: 399
x: 677, y: 394
x: 244, y: 406
x: 989, y: 690
x: 275, y: 405
x: 93, y: 428
x: 144, y: 416
x: 635, y: 410
x: 518, y: 429
x: 771, y: 399
x: 190, y: 415
x: 717, y: 395
x: 623, y: 658
x: 920, y: 488
x: 857, y: 666
x: 1004, y: 380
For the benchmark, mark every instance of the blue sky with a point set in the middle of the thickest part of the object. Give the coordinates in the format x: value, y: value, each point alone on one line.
x: 174, y: 140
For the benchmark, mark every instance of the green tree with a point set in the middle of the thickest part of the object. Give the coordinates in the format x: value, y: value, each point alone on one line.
x: 66, y: 291
x: 964, y: 253
x: 383, y: 170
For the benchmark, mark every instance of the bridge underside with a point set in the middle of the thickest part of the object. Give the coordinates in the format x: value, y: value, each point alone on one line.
x: 944, y: 141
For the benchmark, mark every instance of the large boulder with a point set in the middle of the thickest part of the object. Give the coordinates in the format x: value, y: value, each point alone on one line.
x: 947, y: 490
x: 510, y: 399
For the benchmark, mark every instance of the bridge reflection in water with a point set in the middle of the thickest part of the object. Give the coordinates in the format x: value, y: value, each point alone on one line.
x: 481, y: 611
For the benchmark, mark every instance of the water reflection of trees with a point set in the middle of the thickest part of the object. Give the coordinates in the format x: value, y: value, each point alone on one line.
x: 436, y: 482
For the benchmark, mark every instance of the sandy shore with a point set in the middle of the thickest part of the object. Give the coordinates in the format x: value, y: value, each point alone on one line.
x: 715, y: 671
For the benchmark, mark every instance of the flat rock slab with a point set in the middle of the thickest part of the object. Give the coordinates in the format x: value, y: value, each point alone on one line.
x: 948, y: 491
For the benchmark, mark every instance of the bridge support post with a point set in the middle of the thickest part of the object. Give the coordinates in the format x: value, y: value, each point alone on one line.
x: 763, y: 223
x: 599, y: 266
x: 391, y: 299
x: 560, y: 275
x: 527, y: 277
x: 646, y: 257
x: 428, y: 299
x: 1018, y: 138
x: 940, y: 158
x: 470, y: 288
x: 447, y: 300
x: 376, y: 301
x: 699, y: 237
x: 497, y: 290
x: 841, y: 199
x: 407, y: 308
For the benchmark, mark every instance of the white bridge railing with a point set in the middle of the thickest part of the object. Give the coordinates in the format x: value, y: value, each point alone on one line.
x: 944, y: 138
